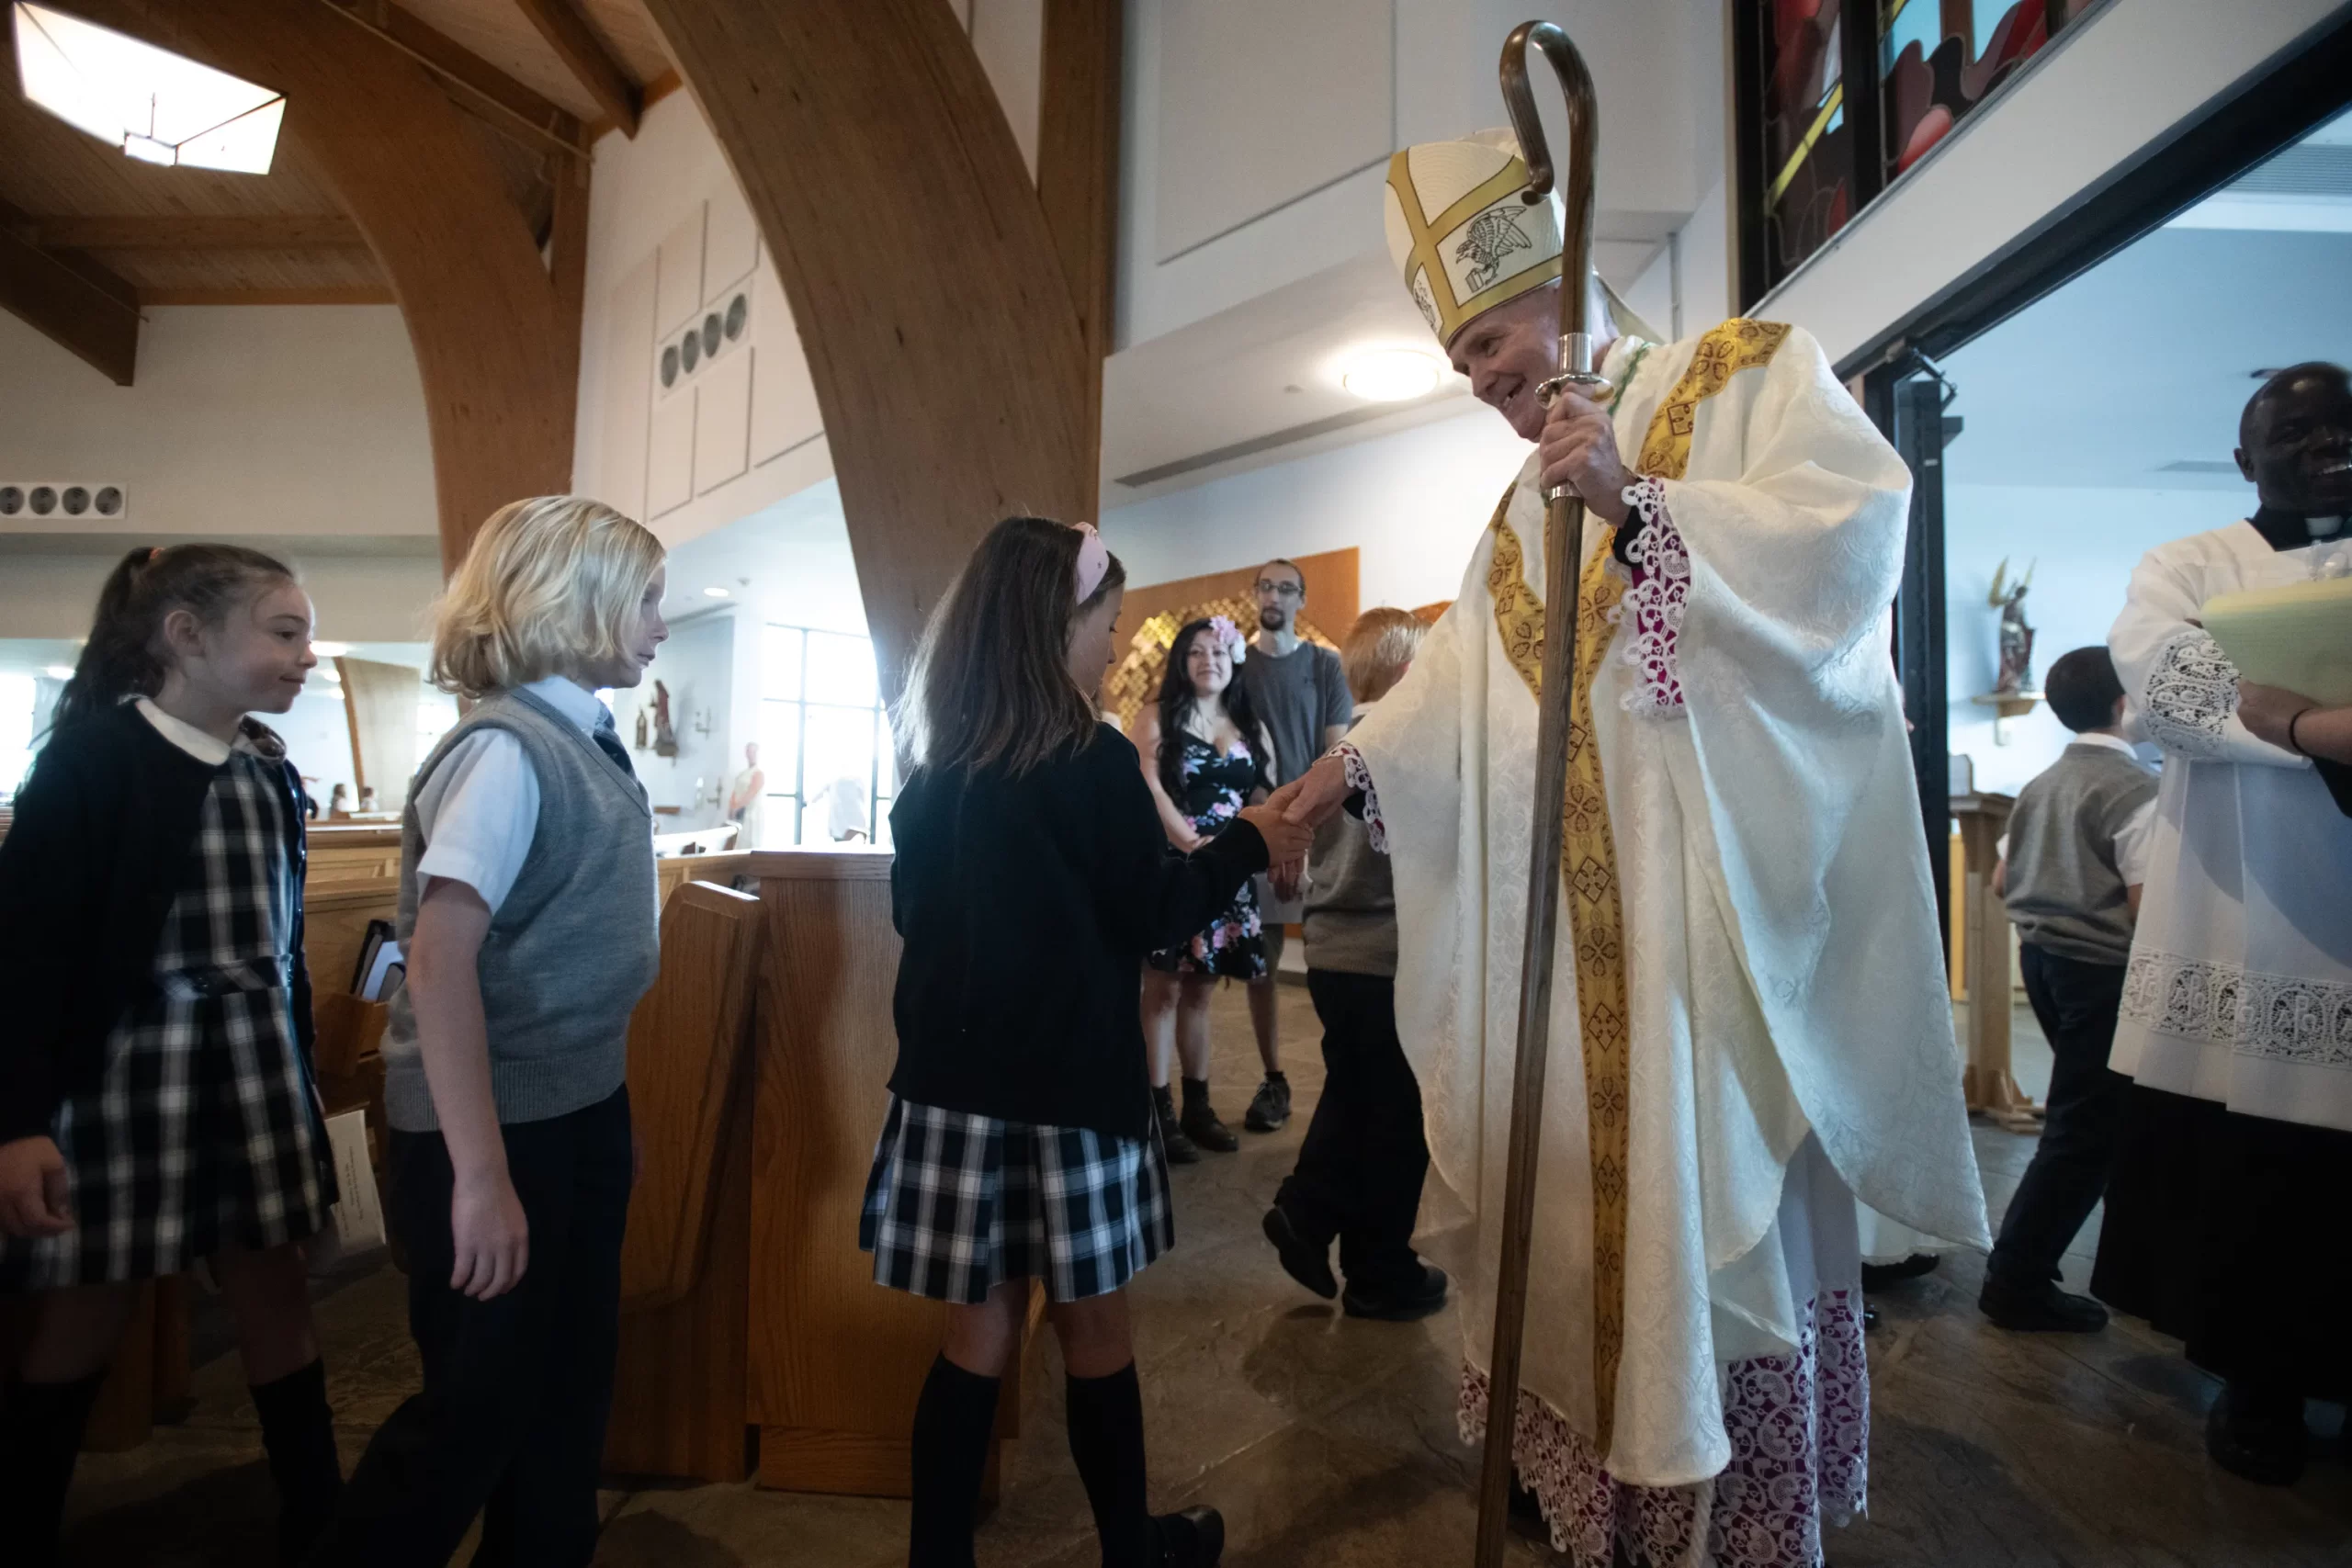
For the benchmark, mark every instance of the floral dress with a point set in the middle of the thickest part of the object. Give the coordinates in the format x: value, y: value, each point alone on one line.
x: 1215, y: 789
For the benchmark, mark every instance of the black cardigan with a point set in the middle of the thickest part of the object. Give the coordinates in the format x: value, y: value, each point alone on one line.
x: 1027, y: 906
x: 88, y: 873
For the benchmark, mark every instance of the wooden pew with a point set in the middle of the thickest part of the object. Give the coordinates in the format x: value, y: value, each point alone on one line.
x: 686, y: 1295
x: 782, y: 1328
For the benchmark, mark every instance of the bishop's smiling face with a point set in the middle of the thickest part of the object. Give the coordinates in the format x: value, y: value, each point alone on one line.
x: 2295, y: 442
x: 1508, y: 351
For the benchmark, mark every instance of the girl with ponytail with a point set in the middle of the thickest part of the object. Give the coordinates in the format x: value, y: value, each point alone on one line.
x: 156, y: 1102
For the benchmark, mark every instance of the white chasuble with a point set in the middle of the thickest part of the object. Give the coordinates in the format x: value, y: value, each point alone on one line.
x: 1787, y: 1039
x: 2239, y: 985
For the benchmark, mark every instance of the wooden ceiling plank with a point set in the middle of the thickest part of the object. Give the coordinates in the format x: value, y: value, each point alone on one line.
x: 358, y: 295
x: 585, y: 55
x: 255, y: 231
x: 1077, y: 171
x: 514, y: 105
x: 70, y: 300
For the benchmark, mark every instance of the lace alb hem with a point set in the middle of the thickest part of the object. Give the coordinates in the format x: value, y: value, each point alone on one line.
x: 2281, y: 1018
x: 1661, y: 586
x: 1359, y: 778
x: 1800, y: 1436
x: 2191, y: 694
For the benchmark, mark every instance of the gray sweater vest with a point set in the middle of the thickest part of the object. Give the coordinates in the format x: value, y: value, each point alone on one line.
x: 570, y: 950
x: 2066, y: 894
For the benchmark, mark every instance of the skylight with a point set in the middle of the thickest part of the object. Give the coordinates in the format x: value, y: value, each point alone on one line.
x: 156, y: 106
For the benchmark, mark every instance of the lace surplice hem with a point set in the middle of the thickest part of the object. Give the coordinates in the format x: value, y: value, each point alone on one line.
x: 1800, y: 1435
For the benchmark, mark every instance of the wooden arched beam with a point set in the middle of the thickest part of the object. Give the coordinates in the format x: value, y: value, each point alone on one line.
x: 949, y: 360
x: 496, y: 342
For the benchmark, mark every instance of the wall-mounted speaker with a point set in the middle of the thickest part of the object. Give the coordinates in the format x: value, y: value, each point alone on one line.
x: 63, y: 499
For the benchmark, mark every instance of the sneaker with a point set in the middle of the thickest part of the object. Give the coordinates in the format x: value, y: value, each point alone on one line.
x: 2262, y: 1441
x: 1404, y: 1303
x: 1302, y: 1261
x: 1200, y: 1121
x: 1270, y: 1107
x: 1192, y: 1539
x: 1179, y: 1149
x: 2044, y: 1309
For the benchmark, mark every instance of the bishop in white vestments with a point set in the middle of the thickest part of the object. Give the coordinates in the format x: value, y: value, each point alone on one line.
x: 1750, y: 1027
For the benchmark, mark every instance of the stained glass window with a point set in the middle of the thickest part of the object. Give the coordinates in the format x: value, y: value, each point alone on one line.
x: 1808, y: 142
x: 1940, y: 58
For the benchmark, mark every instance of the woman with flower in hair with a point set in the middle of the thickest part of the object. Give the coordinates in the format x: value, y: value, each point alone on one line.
x: 1206, y: 756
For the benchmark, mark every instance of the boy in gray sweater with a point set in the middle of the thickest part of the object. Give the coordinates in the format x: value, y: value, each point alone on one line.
x: 1361, y: 1166
x: 2077, y: 854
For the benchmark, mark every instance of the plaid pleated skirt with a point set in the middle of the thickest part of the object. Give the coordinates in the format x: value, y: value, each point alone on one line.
x: 203, y: 1132
x: 958, y: 1203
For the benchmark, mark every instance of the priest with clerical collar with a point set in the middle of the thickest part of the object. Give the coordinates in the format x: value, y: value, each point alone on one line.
x: 2228, y: 1221
x: 1750, y: 1021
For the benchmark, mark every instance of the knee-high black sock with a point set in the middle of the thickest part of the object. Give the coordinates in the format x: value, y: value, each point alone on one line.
x: 298, y: 1433
x: 41, y: 1436
x: 1106, y: 1438
x: 952, y: 1421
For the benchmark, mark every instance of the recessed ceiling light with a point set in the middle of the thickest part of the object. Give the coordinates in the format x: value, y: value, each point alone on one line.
x: 330, y: 650
x: 156, y: 106
x: 1391, y: 375
x: 714, y: 593
x: 60, y: 671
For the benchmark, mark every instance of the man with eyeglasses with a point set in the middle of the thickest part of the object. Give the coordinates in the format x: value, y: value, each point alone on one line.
x: 1301, y: 692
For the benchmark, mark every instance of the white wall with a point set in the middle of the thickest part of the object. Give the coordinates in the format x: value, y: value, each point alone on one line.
x: 1257, y: 137
x: 670, y: 240
x: 361, y: 598
x: 1413, y: 503
x: 260, y: 419
x: 2095, y: 102
x: 2082, y: 543
x: 697, y: 665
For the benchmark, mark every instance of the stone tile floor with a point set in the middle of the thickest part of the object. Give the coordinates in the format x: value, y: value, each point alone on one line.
x: 1332, y: 1442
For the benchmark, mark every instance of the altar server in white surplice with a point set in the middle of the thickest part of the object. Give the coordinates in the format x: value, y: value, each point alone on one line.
x: 2226, y: 1222
x: 1750, y: 1025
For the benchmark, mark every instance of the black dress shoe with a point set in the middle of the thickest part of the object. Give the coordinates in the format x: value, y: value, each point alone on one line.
x: 1878, y: 1276
x: 1302, y: 1261
x: 1192, y: 1539
x: 1403, y: 1303
x: 2045, y: 1309
x: 2263, y: 1441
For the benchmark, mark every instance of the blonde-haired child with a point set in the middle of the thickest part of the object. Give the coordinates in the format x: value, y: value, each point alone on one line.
x: 527, y: 915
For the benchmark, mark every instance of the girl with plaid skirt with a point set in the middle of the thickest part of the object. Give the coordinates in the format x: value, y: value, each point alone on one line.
x: 1032, y: 878
x: 156, y: 1102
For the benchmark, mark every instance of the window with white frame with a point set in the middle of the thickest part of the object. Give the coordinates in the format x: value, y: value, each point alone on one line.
x: 824, y: 740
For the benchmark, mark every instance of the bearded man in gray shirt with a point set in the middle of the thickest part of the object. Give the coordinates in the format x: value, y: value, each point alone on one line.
x: 1301, y: 694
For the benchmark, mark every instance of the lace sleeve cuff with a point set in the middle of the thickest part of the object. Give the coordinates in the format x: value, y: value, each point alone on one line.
x: 2191, y: 694
x: 1360, y: 779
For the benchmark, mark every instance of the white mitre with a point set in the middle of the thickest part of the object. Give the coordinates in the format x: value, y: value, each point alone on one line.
x: 1465, y: 240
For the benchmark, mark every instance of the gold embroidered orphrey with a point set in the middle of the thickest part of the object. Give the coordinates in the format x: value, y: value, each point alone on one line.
x: 1588, y: 852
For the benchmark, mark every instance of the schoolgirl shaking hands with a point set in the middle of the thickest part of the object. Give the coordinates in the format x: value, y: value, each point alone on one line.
x: 1019, y: 1142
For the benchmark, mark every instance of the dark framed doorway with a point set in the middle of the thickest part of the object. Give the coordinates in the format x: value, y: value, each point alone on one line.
x: 1905, y: 395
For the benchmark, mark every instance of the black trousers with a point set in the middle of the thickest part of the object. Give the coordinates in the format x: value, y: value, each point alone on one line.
x: 2075, y: 1003
x: 1360, y: 1170
x: 518, y: 1389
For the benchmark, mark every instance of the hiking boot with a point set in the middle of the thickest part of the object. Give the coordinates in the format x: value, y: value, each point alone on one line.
x: 1270, y: 1107
x: 1179, y: 1149
x: 1200, y: 1121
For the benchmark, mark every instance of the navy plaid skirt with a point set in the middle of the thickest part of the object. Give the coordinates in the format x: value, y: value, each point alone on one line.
x: 958, y: 1204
